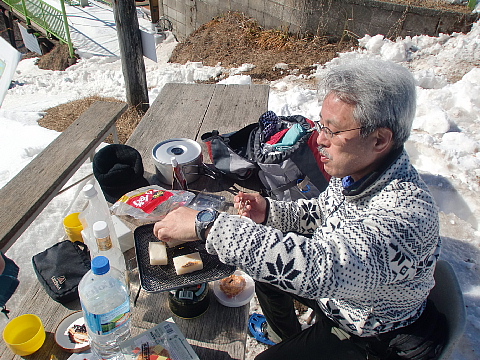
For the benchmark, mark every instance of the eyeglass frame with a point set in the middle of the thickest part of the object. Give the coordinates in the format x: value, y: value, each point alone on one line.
x: 329, y: 133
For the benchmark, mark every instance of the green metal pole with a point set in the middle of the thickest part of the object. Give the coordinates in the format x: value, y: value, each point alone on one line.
x: 67, y: 29
x: 25, y: 12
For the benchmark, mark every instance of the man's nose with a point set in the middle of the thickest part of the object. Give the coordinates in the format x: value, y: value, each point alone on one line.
x: 322, y: 139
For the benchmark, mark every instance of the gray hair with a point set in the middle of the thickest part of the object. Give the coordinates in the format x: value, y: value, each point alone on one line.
x: 382, y: 92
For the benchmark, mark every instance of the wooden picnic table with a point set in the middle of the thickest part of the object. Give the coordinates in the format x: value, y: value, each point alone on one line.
x: 179, y: 111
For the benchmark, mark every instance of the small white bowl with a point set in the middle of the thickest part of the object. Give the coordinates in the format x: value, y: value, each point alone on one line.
x: 241, y: 299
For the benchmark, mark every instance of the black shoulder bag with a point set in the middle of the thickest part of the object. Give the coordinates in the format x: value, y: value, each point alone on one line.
x: 60, y: 269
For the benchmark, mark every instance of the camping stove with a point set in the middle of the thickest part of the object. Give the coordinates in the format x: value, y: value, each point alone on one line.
x: 189, y: 302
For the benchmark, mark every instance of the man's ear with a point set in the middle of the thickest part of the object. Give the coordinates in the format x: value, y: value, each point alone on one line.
x: 383, y: 140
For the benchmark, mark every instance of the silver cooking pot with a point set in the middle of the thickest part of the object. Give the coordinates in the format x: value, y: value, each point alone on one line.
x: 188, y: 154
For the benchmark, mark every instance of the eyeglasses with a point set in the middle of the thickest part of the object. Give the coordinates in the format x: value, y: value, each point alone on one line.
x: 329, y: 134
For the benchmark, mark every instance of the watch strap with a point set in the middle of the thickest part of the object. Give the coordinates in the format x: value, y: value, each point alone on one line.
x: 203, y: 231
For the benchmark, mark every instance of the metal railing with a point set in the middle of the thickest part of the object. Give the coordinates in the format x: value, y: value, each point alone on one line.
x: 49, y: 18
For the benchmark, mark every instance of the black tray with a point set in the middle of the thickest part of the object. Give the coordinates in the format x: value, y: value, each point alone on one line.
x: 155, y: 278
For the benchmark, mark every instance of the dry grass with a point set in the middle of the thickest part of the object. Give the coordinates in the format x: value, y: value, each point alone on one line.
x: 60, y: 117
x: 234, y: 39
x: 57, y: 59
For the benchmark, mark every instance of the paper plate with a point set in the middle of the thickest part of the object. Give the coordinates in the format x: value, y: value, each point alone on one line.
x: 61, y: 334
x: 241, y: 299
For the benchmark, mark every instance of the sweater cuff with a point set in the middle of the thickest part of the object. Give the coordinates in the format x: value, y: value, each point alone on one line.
x: 267, y: 211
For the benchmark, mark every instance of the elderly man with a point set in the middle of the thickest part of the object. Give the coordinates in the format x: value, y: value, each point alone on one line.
x: 367, y: 266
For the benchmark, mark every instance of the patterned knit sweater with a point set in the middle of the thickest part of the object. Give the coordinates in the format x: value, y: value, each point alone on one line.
x: 369, y: 255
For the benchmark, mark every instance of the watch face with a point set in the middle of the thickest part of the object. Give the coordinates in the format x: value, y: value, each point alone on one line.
x: 206, y: 216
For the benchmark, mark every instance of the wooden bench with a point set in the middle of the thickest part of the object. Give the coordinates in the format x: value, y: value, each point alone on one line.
x: 27, y: 194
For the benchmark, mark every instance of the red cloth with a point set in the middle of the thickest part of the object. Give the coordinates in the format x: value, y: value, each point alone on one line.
x: 275, y: 138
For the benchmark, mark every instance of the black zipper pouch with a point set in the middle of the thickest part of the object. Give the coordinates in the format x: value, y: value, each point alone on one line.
x: 60, y: 269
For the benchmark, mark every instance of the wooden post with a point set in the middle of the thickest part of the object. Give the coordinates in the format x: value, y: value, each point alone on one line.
x: 155, y: 11
x: 8, y: 20
x: 131, y: 52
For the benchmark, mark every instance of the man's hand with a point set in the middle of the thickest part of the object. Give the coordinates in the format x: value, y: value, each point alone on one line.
x: 253, y: 206
x: 179, y: 224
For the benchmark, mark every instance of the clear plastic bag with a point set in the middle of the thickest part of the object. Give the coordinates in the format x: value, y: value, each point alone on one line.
x: 151, y: 203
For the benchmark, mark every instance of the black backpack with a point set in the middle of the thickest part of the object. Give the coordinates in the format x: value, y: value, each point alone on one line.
x: 287, y: 172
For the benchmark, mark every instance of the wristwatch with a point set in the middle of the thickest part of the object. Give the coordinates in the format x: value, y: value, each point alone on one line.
x: 204, y: 221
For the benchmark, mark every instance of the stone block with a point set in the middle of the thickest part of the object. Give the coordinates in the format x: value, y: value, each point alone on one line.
x: 169, y: 4
x: 257, y: 15
x: 274, y: 9
x: 294, y: 17
x: 239, y: 5
x: 257, y: 5
x: 326, y: 17
x: 270, y: 22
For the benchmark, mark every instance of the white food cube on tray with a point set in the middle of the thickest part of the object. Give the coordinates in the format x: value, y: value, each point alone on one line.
x: 158, y: 253
x: 188, y: 263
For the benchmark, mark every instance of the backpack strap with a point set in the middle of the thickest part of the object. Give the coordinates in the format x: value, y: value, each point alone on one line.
x: 301, y: 185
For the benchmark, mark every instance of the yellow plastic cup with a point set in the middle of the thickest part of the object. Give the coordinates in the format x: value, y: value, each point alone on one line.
x: 25, y: 334
x: 73, y: 227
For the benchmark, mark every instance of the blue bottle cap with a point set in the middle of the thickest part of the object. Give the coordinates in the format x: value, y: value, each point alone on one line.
x: 100, y: 265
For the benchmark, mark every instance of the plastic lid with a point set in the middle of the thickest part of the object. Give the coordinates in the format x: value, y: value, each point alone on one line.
x: 184, y: 150
x: 100, y: 265
x: 100, y: 229
x: 89, y: 191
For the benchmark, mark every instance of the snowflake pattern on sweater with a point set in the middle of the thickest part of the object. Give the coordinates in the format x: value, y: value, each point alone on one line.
x: 367, y: 258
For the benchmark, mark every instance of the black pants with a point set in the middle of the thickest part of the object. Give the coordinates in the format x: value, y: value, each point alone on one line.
x: 421, y: 340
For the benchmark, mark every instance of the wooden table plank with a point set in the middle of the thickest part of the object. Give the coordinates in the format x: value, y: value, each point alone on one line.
x: 177, y: 112
x: 190, y: 110
x: 37, y: 301
x: 233, y: 107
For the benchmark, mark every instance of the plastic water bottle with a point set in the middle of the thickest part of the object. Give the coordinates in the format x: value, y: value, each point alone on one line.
x: 106, y: 308
x: 97, y: 210
x: 107, y: 248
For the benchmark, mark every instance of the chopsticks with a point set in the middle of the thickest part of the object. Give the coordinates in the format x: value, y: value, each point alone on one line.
x: 243, y: 205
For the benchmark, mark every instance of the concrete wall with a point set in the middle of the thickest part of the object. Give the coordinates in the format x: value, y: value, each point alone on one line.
x: 321, y: 17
